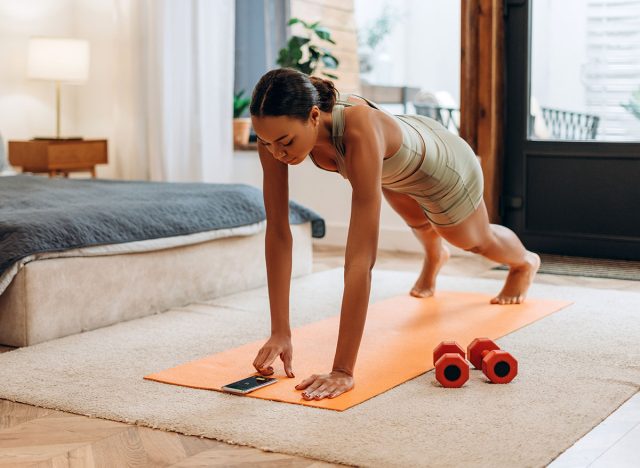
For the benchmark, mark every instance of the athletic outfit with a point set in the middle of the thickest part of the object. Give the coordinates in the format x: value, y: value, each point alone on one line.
x: 433, y: 166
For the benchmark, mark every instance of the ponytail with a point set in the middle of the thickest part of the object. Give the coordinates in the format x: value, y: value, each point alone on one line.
x: 328, y: 94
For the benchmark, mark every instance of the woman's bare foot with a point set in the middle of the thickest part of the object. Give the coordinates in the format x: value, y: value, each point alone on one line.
x: 518, y: 281
x: 426, y: 283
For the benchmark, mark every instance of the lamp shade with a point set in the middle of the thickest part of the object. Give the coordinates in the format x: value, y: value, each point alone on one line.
x: 58, y: 59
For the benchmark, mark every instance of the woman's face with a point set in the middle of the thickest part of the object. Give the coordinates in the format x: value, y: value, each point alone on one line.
x: 289, y: 140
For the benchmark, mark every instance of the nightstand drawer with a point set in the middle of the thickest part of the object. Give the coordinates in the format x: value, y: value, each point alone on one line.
x: 68, y: 156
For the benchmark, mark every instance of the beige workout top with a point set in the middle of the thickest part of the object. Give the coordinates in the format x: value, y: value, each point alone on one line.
x: 402, y: 163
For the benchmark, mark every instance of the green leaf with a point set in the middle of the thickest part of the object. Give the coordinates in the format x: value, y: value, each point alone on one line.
x: 295, y: 55
x: 323, y: 33
x: 329, y: 61
x: 298, y: 41
x: 333, y: 58
x: 306, y: 67
x: 297, y: 20
x: 334, y: 77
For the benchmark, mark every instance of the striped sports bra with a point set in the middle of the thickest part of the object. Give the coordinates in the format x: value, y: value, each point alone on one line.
x: 403, y: 162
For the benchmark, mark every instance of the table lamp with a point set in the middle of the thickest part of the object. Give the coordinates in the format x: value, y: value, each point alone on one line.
x: 61, y: 60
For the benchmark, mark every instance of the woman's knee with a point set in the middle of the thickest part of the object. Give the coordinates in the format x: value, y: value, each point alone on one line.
x: 480, y: 247
x: 423, y: 226
x: 472, y: 237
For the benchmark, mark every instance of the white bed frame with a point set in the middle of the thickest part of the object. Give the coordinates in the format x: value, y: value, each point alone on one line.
x: 50, y: 298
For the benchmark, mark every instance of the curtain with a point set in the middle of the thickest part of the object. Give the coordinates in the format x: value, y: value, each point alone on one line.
x: 173, y: 106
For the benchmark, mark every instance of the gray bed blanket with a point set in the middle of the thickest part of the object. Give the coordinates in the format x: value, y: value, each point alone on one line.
x: 38, y: 214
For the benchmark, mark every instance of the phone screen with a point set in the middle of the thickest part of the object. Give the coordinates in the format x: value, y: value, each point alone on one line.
x: 250, y: 383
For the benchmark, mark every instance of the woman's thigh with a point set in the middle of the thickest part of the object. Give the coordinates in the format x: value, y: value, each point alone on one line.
x: 408, y: 209
x: 473, y: 233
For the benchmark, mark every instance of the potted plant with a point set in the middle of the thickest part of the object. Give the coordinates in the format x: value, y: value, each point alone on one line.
x: 241, y: 125
x: 297, y: 46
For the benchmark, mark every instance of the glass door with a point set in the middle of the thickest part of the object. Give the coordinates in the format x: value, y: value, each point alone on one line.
x: 572, y: 134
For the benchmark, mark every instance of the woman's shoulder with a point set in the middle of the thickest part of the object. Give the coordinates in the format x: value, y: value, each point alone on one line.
x: 355, y: 100
x: 358, y: 109
x: 364, y: 121
x: 364, y: 118
x: 360, y: 117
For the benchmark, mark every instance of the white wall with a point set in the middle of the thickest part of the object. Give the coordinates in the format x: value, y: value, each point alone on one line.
x: 95, y: 99
x: 423, y: 48
x: 27, y: 107
x: 432, y: 46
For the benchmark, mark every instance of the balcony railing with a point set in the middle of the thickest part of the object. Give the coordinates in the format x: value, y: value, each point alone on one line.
x: 447, y: 116
x: 566, y: 125
x: 562, y: 124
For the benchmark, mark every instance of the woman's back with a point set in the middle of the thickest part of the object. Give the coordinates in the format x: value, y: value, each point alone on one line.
x: 410, y: 145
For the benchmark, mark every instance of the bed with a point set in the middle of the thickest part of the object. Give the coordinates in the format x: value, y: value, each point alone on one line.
x: 78, y: 254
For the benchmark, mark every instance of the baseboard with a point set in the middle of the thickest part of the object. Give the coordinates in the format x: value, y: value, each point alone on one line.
x: 391, y: 238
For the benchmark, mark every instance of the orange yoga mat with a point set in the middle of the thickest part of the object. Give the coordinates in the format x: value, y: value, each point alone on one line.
x: 399, y: 337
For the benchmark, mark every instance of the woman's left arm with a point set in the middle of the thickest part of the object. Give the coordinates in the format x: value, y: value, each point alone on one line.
x: 364, y: 166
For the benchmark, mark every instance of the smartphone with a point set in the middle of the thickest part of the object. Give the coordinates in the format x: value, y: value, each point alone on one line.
x: 249, y: 384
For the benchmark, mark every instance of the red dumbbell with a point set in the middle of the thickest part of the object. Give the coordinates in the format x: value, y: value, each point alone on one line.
x: 452, y: 370
x: 499, y: 366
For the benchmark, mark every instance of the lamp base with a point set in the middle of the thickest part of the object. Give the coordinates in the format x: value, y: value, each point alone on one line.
x: 58, y: 138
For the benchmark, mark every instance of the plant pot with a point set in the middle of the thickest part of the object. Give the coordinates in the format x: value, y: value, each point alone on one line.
x: 241, y: 129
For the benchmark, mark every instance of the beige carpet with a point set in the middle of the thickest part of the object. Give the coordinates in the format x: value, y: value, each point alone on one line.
x: 576, y: 367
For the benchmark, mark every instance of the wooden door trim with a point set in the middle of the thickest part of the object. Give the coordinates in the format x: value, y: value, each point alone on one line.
x: 481, y: 91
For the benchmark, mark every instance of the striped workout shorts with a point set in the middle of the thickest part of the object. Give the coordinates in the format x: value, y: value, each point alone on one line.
x: 448, y: 184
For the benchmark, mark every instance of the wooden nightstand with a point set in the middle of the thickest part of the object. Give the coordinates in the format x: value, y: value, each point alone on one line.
x: 58, y: 156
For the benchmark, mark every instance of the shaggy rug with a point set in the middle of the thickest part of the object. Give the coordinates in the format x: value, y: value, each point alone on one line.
x: 576, y: 367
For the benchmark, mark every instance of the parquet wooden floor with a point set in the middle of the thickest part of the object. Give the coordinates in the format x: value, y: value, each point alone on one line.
x: 38, y: 437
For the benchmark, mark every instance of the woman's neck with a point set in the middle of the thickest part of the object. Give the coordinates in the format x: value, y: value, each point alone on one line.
x: 325, y: 127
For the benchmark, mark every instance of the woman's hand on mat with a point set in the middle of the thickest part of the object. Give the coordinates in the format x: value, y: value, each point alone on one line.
x: 326, y: 385
x: 277, y: 345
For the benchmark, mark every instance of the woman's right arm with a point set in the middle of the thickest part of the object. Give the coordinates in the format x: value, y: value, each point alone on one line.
x: 278, y: 240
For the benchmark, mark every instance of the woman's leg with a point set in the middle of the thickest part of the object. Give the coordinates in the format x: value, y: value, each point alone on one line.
x: 499, y: 244
x: 436, y: 254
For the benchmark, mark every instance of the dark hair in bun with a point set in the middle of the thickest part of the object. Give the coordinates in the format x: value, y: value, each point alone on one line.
x: 286, y: 91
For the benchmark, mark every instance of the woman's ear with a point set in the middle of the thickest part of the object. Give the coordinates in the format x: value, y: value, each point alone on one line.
x: 314, y: 115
